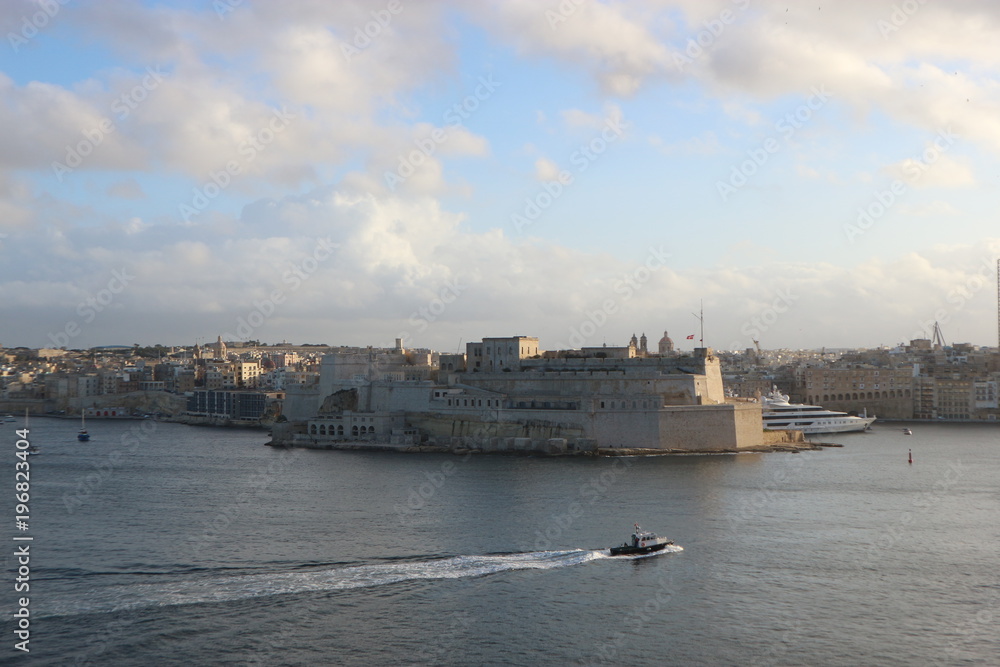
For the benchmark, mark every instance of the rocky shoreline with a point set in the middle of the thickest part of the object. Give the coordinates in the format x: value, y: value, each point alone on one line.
x: 793, y: 448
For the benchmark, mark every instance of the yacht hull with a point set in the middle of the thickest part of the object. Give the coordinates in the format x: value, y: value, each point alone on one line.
x: 861, y: 425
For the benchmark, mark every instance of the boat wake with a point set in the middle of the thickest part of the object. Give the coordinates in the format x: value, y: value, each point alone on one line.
x: 218, y: 589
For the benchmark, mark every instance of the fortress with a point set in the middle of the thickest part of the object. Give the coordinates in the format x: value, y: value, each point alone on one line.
x: 505, y: 394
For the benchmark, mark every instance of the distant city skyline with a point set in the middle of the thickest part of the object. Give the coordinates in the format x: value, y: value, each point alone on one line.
x: 351, y: 173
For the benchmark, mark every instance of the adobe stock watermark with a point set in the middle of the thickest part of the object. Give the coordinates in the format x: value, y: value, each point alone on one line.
x: 924, y: 502
x: 121, y: 108
x: 706, y: 38
x: 585, y: 155
x: 754, y: 504
x: 625, y: 287
x: 620, y: 649
x: 760, y: 323
x: 99, y: 642
x: 975, y: 626
x: 439, y: 647
x: 420, y: 494
x: 32, y: 25
x: 249, y: 149
x: 408, y: 163
x: 561, y: 14
x: 900, y: 15
x: 589, y: 494
x: 91, y: 306
x: 435, y: 308
x: 247, y: 500
x: 365, y: 35
x: 105, y: 468
x: 958, y: 296
x: 786, y: 126
x: 913, y: 171
x: 223, y: 7
x: 294, y: 276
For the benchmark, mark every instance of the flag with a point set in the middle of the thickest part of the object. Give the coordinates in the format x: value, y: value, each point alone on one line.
x: 691, y: 337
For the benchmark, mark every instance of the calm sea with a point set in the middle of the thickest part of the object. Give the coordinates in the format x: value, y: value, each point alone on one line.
x: 163, y: 544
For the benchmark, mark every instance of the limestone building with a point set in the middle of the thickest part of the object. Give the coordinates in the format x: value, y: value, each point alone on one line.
x: 507, y: 395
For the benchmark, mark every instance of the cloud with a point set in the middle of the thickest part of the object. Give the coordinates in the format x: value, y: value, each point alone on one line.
x: 546, y: 169
x: 577, y: 118
x: 359, y: 109
x: 126, y: 189
x: 614, y: 47
x: 940, y: 171
x: 933, y: 209
x: 706, y: 143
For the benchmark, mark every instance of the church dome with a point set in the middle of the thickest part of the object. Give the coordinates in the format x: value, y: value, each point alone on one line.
x: 666, y: 344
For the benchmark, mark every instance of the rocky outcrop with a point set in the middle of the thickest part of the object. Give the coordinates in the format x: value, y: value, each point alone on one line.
x: 337, y: 402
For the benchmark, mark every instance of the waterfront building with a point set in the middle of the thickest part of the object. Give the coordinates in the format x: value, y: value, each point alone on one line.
x: 512, y: 397
x: 227, y: 405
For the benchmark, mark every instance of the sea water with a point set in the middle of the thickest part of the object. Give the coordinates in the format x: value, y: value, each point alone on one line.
x: 164, y: 544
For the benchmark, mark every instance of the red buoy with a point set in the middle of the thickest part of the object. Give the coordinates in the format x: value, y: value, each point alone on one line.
x: 911, y: 455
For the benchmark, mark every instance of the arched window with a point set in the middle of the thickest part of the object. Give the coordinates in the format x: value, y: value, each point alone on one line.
x: 312, y: 429
x: 354, y: 431
x: 322, y: 429
x: 340, y: 429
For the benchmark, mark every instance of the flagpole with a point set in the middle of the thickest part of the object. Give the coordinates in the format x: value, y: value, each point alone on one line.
x: 701, y: 321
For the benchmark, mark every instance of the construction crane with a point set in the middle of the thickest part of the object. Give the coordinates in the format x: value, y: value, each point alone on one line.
x: 938, y: 336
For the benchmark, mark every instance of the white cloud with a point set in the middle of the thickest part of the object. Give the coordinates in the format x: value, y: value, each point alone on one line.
x: 546, y: 169
x: 357, y: 116
x: 577, y: 118
x: 128, y: 188
x: 933, y: 209
x: 616, y: 48
x: 941, y: 171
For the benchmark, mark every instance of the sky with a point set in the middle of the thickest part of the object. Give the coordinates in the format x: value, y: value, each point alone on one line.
x: 805, y: 175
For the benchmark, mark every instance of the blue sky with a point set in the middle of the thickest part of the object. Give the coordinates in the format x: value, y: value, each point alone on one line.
x: 240, y: 149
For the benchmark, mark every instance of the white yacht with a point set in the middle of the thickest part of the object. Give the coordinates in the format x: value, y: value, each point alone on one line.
x: 780, y: 415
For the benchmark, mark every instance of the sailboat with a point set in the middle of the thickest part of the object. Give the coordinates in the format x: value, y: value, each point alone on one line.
x: 83, y: 436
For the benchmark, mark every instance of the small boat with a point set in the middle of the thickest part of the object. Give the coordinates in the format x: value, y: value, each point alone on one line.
x: 9, y: 418
x: 643, y: 542
x: 83, y: 436
x: 907, y: 431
